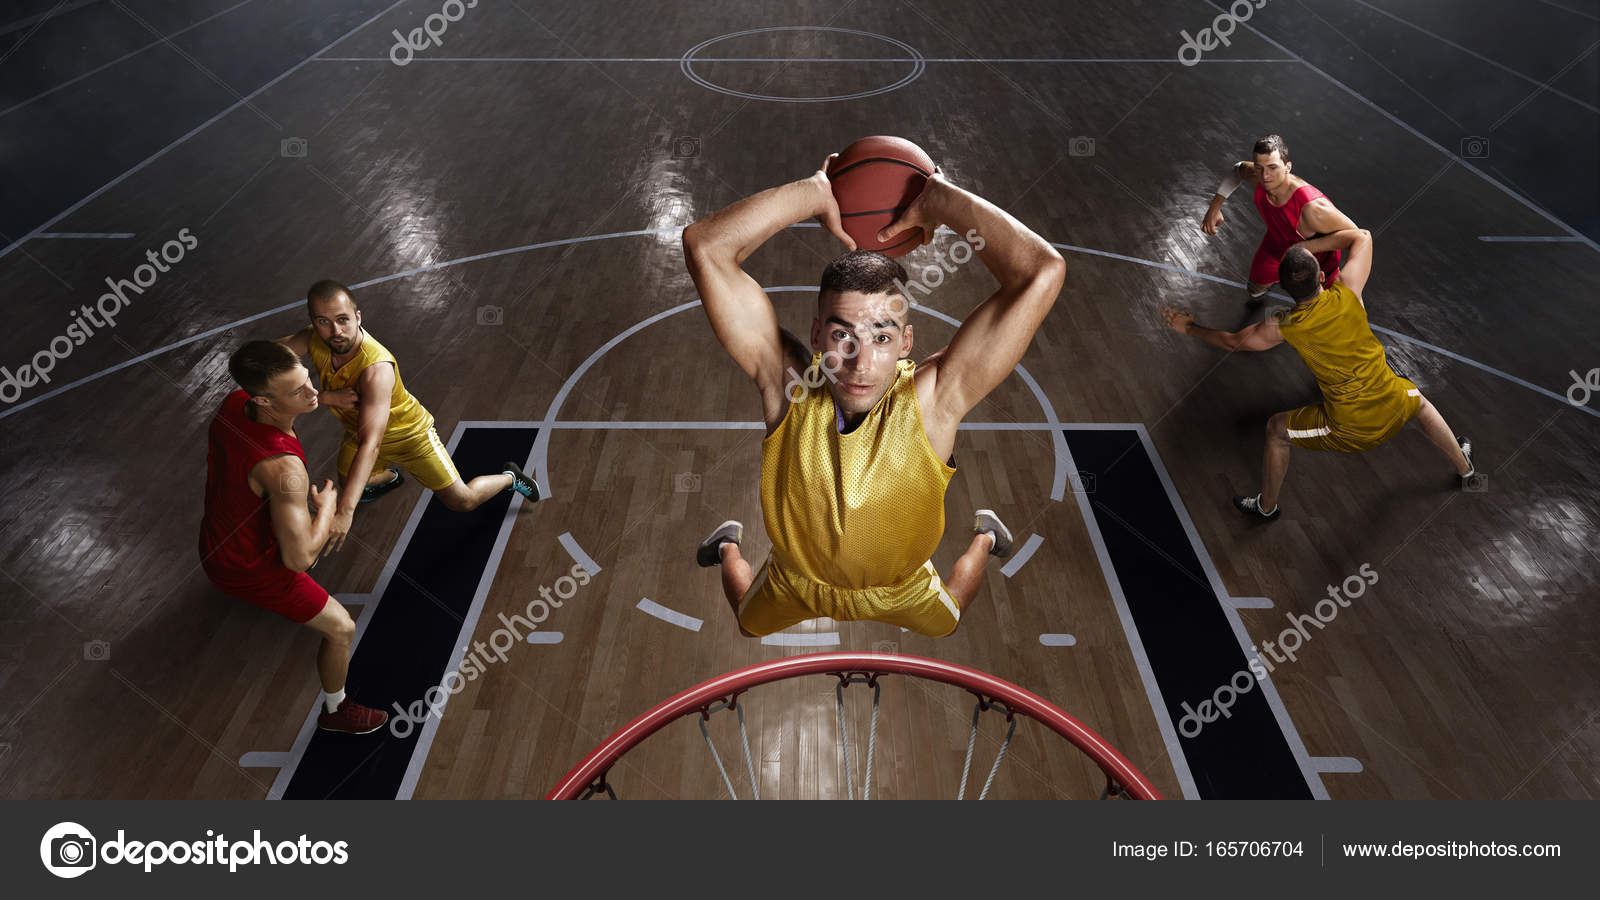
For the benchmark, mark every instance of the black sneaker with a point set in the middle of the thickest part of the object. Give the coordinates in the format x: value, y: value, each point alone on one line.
x: 373, y: 491
x: 730, y: 531
x: 1471, y: 481
x: 986, y: 520
x: 521, y: 482
x: 1251, y: 506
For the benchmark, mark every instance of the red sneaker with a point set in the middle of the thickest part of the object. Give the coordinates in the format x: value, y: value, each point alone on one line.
x: 352, y: 718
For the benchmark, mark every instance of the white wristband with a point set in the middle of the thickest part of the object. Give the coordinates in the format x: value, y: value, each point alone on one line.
x: 1230, y: 183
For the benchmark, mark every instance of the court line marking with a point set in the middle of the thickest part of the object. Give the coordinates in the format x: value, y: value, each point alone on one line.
x: 1269, y: 690
x: 1057, y: 640
x: 1339, y: 764
x: 1057, y: 490
x: 191, y: 133
x: 84, y: 234
x: 264, y: 759
x: 823, y: 639
x: 670, y: 616
x: 1022, y: 557
x: 1248, y: 602
x: 798, y: 59
x: 1527, y: 239
x: 545, y: 637
x: 1579, y: 236
x: 576, y: 552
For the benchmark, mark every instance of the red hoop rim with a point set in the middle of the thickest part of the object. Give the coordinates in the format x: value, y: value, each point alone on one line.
x: 599, y: 761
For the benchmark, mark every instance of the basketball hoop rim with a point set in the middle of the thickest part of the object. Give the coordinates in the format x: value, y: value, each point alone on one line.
x: 703, y: 695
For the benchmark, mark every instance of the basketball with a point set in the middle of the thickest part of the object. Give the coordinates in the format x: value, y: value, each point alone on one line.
x: 874, y: 180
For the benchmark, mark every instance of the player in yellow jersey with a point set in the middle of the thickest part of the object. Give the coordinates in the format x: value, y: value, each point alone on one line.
x: 384, y: 425
x: 1364, y: 403
x: 853, y: 476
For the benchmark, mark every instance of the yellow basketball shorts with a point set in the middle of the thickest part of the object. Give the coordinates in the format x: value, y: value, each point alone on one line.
x: 1354, y: 427
x: 778, y: 599
x: 423, y: 455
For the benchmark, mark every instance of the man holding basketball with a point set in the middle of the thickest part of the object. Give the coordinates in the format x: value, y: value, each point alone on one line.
x: 1292, y: 209
x: 383, y: 422
x: 1364, y: 402
x: 854, y: 476
x: 258, y: 539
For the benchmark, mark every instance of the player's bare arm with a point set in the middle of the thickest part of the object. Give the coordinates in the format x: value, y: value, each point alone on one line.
x: 993, y: 338
x: 741, y: 314
x: 373, y: 388
x: 284, y: 482
x: 1321, y: 217
x: 1356, y: 246
x: 300, y: 343
x: 1263, y: 335
x: 1242, y: 173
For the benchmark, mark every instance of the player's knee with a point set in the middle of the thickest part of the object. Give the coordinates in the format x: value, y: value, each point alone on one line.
x: 454, y: 499
x: 1278, y: 427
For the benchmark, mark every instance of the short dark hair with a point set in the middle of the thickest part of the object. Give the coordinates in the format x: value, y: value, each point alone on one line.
x: 1270, y: 143
x: 1299, y: 274
x: 258, y: 362
x: 862, y: 272
x: 327, y: 289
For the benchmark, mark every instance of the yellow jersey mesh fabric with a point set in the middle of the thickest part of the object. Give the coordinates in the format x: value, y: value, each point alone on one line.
x: 1364, y: 401
x: 857, y: 510
x: 408, y: 419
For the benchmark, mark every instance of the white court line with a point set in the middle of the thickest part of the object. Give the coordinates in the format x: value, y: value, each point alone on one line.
x: 826, y: 639
x: 670, y: 616
x: 576, y: 552
x: 1022, y: 557
x: 1057, y: 640
x: 1527, y: 239
x: 783, y: 59
x: 262, y: 759
x: 1420, y: 136
x: 1247, y: 602
x: 545, y: 637
x: 191, y: 133
x: 84, y: 234
x: 1341, y: 764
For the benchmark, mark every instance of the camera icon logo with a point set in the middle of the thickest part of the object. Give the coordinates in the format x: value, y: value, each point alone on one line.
x: 1476, y: 483
x: 97, y: 651
x: 1087, y: 480
x: 293, y: 147
x: 491, y: 315
x: 686, y: 482
x: 885, y: 647
x: 1080, y: 146
x: 67, y: 850
x: 1474, y: 147
x: 685, y: 147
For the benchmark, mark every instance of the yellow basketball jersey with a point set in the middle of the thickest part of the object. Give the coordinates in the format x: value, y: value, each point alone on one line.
x: 854, y: 510
x: 407, y: 417
x: 1331, y: 334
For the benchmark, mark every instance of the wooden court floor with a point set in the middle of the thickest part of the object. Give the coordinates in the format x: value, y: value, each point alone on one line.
x: 513, y: 230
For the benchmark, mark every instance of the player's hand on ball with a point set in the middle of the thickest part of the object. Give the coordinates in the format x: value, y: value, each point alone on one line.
x: 1212, y: 221
x: 828, y: 212
x: 1178, y: 318
x: 918, y: 214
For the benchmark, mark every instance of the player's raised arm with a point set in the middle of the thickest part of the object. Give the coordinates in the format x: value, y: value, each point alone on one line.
x: 284, y: 481
x: 993, y: 338
x: 740, y: 312
x: 1356, y: 244
x: 1241, y: 173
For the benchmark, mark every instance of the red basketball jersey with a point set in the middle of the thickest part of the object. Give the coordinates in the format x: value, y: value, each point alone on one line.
x: 236, y: 534
x: 1283, y: 225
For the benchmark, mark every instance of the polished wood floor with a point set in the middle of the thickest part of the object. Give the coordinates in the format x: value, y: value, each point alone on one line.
x: 1469, y: 671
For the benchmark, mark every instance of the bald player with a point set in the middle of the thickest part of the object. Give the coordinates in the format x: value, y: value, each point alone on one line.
x: 384, y: 425
x: 1292, y: 209
x: 853, y: 476
x: 1364, y: 403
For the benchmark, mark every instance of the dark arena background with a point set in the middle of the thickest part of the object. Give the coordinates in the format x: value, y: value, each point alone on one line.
x: 504, y: 185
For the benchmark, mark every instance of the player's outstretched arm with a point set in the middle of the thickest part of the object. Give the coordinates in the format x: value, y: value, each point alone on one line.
x: 284, y: 481
x: 373, y: 389
x: 740, y: 312
x: 1263, y: 335
x: 1240, y: 173
x: 992, y: 339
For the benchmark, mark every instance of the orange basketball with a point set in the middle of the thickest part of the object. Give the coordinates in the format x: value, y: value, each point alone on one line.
x: 874, y: 180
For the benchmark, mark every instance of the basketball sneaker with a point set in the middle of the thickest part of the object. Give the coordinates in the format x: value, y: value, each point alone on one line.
x: 1251, y: 506
x: 986, y: 520
x: 730, y: 532
x: 520, y: 481
x: 352, y: 718
x: 373, y: 491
